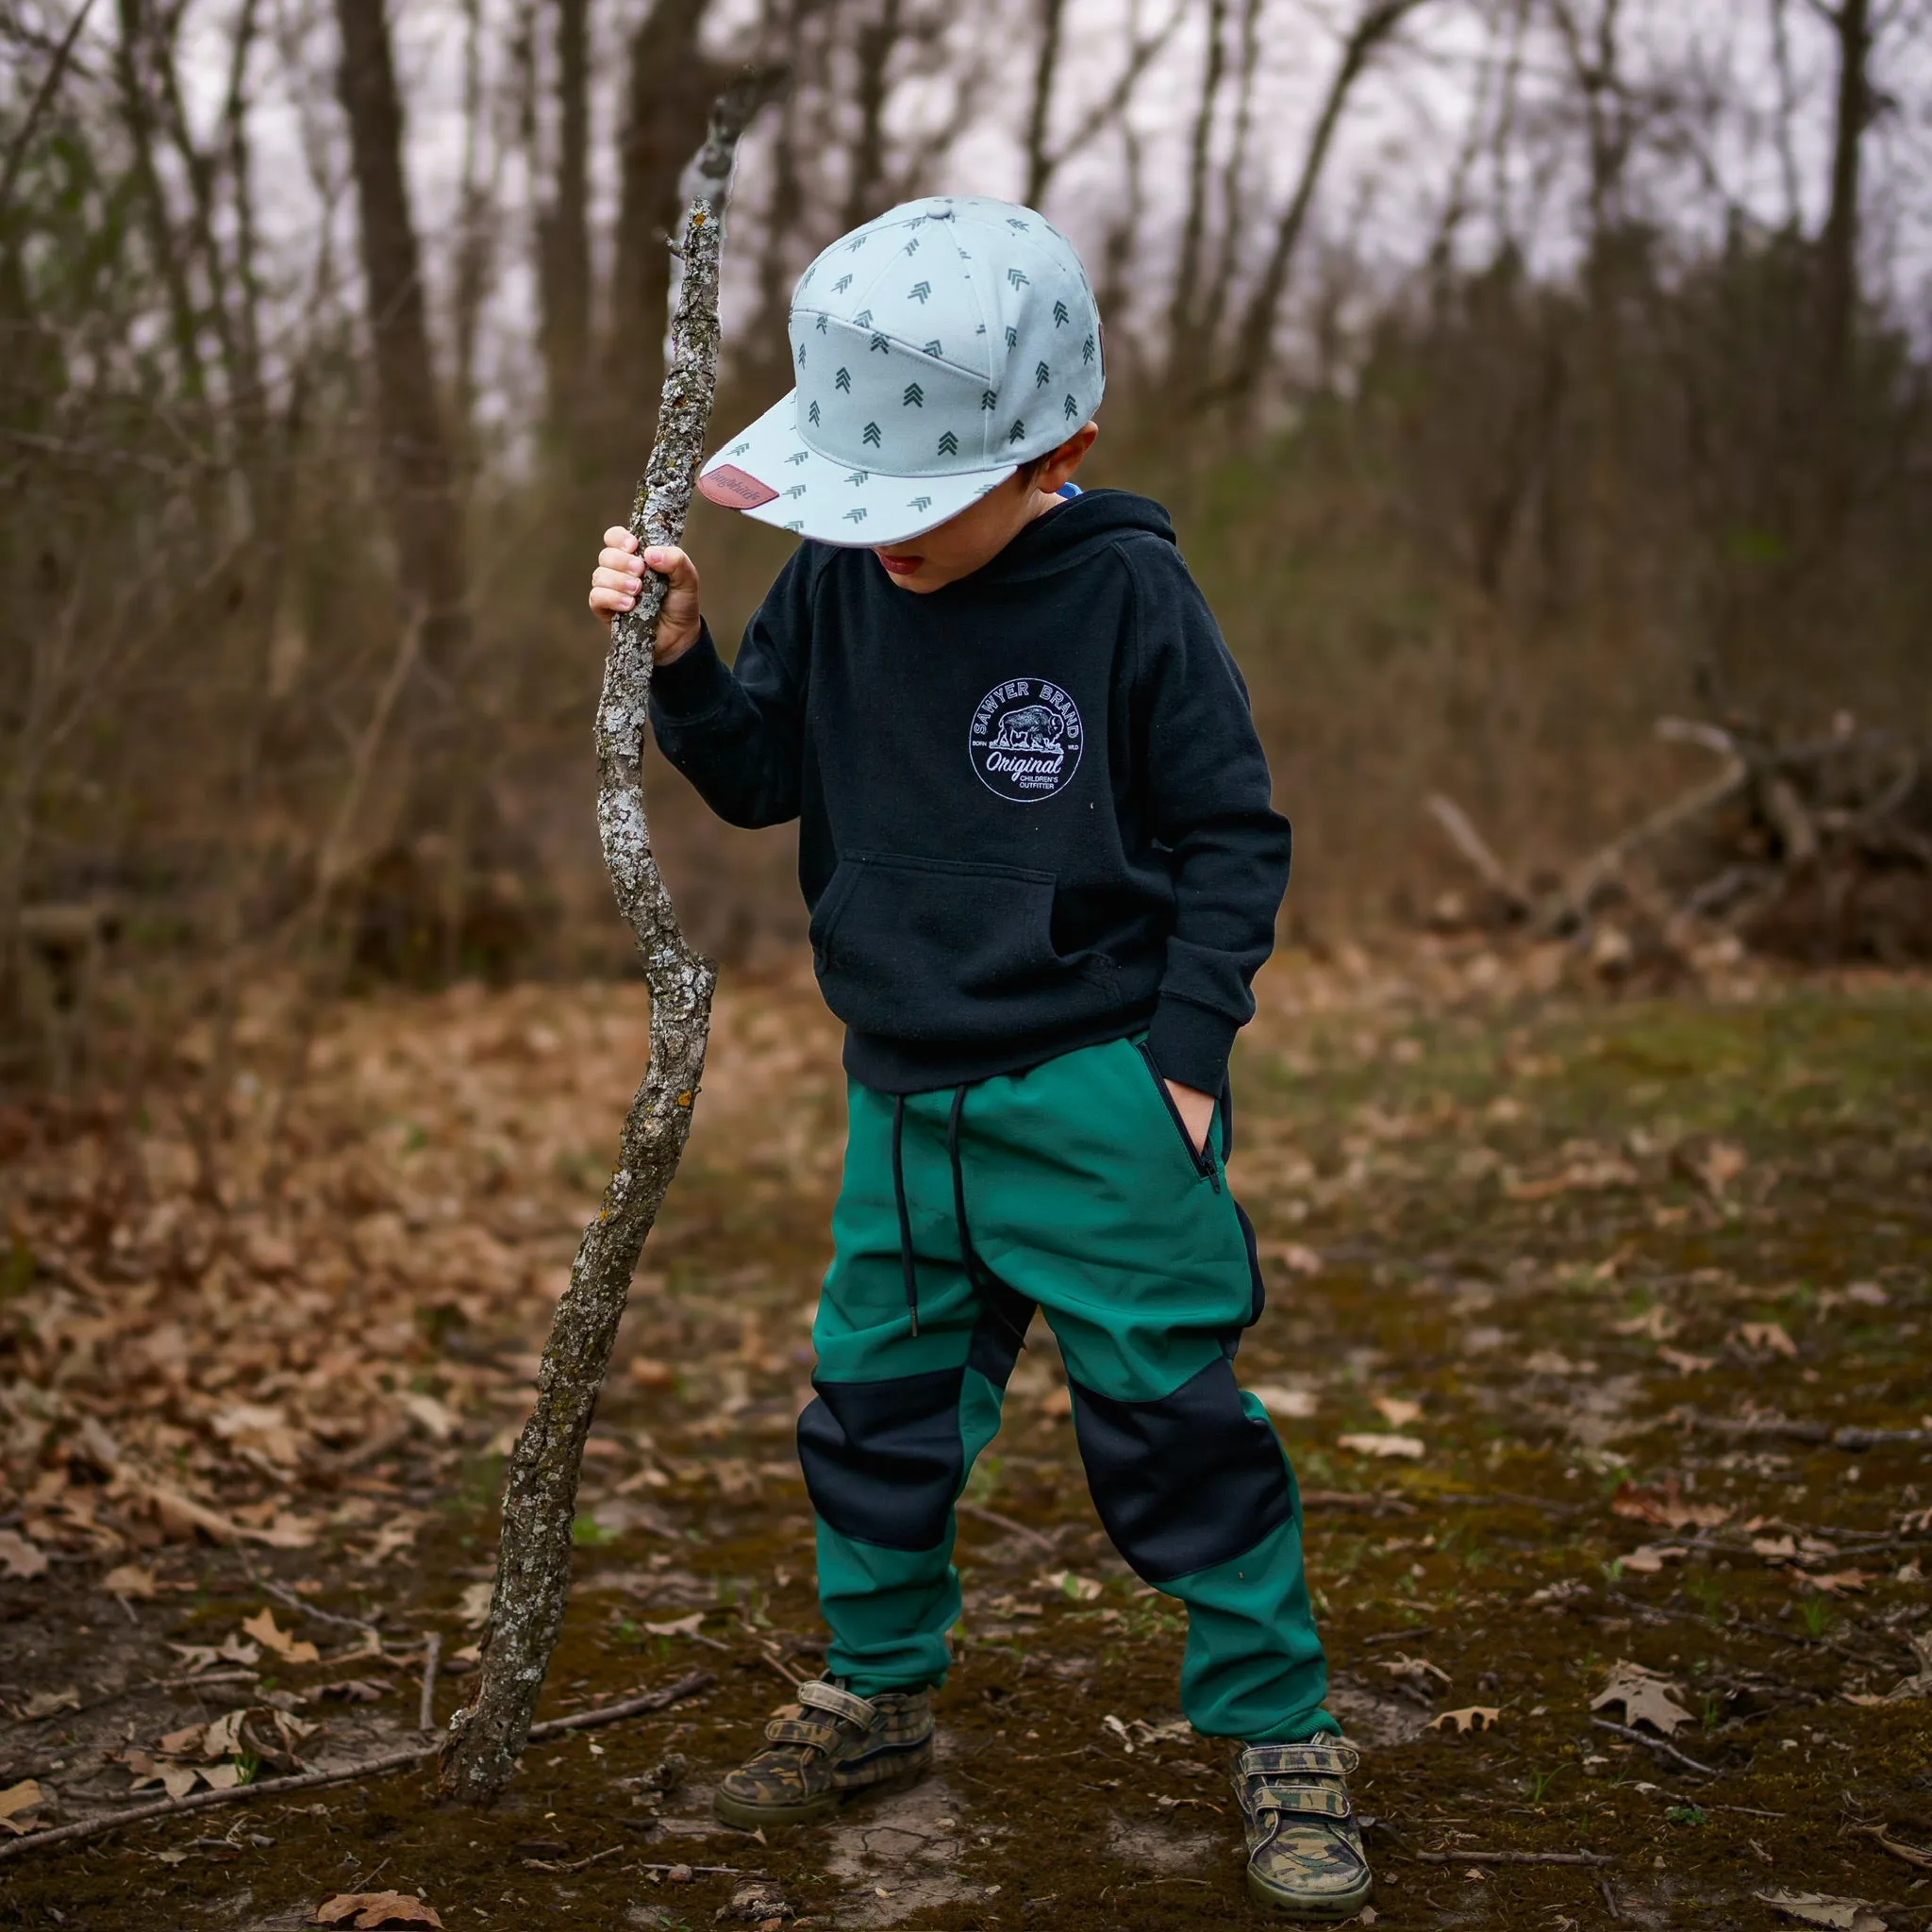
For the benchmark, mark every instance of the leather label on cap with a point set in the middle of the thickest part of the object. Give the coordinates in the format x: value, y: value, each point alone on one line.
x: 729, y: 485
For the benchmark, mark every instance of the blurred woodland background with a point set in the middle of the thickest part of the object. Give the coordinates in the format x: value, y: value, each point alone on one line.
x: 1518, y: 372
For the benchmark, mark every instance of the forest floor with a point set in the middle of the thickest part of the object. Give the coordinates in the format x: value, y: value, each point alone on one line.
x: 1571, y: 1297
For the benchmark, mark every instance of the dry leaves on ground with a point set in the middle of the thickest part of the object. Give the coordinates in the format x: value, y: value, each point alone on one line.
x: 1372, y: 1442
x: 366, y: 1911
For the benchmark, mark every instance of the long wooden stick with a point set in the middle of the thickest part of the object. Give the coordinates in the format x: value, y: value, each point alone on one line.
x: 687, y: 1686
x: 541, y: 1488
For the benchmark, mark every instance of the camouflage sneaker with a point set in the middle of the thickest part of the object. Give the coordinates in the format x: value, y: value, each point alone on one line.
x: 1304, y: 1855
x: 828, y: 1747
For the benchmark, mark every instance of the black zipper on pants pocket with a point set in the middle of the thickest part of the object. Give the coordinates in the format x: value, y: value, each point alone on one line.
x: 1201, y: 1157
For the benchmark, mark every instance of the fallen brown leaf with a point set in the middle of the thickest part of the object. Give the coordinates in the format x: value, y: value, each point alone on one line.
x: 1648, y: 1559
x: 16, y: 1799
x: 366, y: 1911
x: 1768, y: 1337
x: 1292, y: 1256
x: 19, y: 1558
x: 1666, y: 1506
x: 1835, y: 1583
x: 1648, y: 1697
x: 1476, y: 1717
x: 1372, y: 1444
x: 131, y: 1580
x: 1816, y: 1908
x: 1291, y: 1404
x: 286, y: 1645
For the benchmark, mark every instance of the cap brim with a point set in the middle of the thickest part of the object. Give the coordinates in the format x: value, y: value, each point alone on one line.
x: 769, y: 472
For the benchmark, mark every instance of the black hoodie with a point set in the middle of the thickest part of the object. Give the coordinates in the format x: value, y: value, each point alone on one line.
x: 1033, y: 813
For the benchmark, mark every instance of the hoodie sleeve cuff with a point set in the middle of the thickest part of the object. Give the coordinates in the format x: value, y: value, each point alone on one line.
x: 692, y: 686
x: 1190, y: 1045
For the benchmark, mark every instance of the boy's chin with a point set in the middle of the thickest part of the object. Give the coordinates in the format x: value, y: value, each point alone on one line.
x: 910, y: 571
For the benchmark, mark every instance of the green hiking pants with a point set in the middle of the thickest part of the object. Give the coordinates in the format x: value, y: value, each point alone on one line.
x: 1071, y: 1189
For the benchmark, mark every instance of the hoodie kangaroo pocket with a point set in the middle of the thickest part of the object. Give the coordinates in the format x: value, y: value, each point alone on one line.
x: 937, y: 949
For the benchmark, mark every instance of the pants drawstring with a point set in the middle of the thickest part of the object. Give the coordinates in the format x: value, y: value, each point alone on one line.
x: 967, y: 1257
x: 977, y: 1272
x: 905, y: 1261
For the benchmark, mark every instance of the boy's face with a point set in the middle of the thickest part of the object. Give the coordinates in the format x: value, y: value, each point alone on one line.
x: 966, y: 542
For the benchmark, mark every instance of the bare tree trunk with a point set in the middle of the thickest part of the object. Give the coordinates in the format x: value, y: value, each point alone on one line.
x: 1838, y: 257
x: 474, y: 252
x: 1183, y: 308
x: 1375, y: 24
x: 137, y: 113
x: 1039, y: 117
x: 876, y: 40
x: 664, y: 123
x: 540, y: 1492
x: 1235, y: 176
x: 564, y: 232
x: 424, y: 514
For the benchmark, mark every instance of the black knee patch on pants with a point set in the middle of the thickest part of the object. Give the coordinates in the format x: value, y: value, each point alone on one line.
x: 883, y: 1460
x: 1185, y: 1482
x: 1000, y: 1333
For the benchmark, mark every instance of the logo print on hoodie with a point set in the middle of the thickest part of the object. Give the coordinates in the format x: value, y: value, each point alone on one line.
x: 1026, y: 739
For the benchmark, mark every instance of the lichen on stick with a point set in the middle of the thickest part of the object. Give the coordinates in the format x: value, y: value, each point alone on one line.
x: 540, y: 1486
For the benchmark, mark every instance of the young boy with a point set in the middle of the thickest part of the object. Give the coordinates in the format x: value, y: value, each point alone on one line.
x: 1042, y: 868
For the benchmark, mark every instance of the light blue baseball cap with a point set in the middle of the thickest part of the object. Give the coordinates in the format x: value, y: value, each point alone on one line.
x: 935, y: 350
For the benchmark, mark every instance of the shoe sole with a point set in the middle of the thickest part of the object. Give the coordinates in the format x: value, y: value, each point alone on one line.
x: 1328, y: 1911
x: 745, y: 1815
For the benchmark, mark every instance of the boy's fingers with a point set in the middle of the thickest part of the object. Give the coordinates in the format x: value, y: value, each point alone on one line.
x: 620, y: 561
x: 667, y: 559
x: 618, y: 538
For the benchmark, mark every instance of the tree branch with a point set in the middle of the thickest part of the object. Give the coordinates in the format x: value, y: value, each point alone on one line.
x: 540, y: 1488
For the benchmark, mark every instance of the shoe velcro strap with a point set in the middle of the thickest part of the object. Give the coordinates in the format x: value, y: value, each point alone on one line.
x: 824, y: 1696
x: 1325, y: 1760
x: 792, y: 1730
x: 1318, y: 1801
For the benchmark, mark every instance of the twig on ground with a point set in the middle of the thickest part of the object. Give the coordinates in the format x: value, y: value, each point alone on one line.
x: 572, y: 1864
x: 187, y: 1682
x: 298, y: 1602
x: 687, y: 1686
x: 992, y: 1517
x: 432, y: 1656
x: 1663, y: 1746
x: 1492, y: 1498
x: 1356, y: 1499
x: 771, y: 1656
x: 1513, y: 1858
x: 703, y: 1871
x: 1911, y: 1855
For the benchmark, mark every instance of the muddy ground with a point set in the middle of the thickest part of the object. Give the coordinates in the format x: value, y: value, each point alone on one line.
x: 1591, y: 1282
